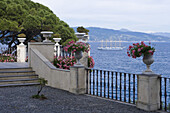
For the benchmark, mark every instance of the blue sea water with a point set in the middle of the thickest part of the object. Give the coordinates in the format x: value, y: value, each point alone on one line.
x: 120, y: 62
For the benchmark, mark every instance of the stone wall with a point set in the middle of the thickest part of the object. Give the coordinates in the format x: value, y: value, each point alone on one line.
x: 58, y: 78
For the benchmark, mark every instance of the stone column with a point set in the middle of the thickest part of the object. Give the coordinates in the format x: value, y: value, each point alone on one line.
x: 148, y: 92
x: 45, y: 48
x: 77, y: 80
x: 21, y: 51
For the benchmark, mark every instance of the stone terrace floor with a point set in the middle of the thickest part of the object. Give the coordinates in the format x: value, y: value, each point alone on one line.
x: 18, y: 100
x: 13, y: 65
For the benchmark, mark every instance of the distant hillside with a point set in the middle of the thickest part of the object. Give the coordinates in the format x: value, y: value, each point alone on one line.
x: 97, y: 34
x: 162, y: 34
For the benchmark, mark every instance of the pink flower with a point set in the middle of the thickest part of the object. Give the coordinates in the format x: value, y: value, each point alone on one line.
x: 139, y: 49
x: 133, y: 51
x: 142, y: 43
x: 150, y: 51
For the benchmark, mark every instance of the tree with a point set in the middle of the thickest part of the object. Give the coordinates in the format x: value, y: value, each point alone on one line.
x: 25, y: 16
x: 82, y: 30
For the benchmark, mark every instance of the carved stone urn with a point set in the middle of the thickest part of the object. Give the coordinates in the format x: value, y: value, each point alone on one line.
x: 78, y: 56
x: 148, y: 60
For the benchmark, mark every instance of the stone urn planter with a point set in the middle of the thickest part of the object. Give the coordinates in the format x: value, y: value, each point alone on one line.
x: 57, y: 40
x: 141, y: 49
x: 148, y: 60
x: 78, y: 56
x: 47, y: 35
x: 21, y: 40
x: 80, y: 36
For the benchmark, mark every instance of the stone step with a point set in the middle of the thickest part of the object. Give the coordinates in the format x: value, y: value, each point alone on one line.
x: 16, y: 69
x: 7, y: 77
x: 17, y: 81
x: 21, y: 84
x: 16, y: 72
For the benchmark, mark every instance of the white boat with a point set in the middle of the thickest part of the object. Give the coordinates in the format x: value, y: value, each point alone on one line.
x: 115, y: 48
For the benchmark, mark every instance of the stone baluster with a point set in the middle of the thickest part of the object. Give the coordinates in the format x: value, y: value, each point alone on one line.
x: 57, y: 47
x: 21, y: 50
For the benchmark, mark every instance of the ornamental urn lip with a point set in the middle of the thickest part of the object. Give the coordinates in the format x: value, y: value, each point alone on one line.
x: 56, y: 39
x: 22, y: 38
x: 80, y: 34
x: 46, y: 32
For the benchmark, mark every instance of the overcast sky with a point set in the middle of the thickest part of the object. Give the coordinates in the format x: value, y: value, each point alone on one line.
x: 136, y: 15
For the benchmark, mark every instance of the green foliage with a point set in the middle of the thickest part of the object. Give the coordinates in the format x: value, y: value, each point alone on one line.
x: 39, y: 97
x: 82, y: 30
x: 42, y: 81
x: 56, y: 35
x: 25, y: 16
x: 22, y: 35
x: 69, y: 40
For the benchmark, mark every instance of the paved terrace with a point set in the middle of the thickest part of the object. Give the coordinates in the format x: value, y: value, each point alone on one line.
x: 18, y: 100
x: 13, y: 65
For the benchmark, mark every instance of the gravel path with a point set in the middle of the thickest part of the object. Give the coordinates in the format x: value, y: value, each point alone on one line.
x: 18, y: 100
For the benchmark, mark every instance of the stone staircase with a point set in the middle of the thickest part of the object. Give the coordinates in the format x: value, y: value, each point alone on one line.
x: 18, y: 77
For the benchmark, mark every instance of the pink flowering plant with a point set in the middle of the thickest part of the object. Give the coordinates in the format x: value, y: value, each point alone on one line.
x: 139, y: 49
x: 91, y: 62
x: 7, y: 58
x: 79, y: 46
x: 64, y: 62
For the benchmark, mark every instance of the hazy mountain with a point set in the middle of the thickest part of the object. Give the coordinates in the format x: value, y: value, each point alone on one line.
x: 97, y: 34
x: 162, y: 34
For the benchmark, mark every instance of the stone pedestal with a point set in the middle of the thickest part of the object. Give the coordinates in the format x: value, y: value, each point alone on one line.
x: 148, y: 92
x: 77, y: 80
x: 45, y: 48
x: 21, y: 53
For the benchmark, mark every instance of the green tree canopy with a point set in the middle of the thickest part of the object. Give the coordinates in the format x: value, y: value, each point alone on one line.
x: 25, y: 16
x: 82, y: 30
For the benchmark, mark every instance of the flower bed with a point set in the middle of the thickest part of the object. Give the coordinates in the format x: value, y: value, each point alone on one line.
x: 7, y: 58
x: 139, y: 49
x: 91, y: 62
x: 64, y: 62
x: 79, y: 46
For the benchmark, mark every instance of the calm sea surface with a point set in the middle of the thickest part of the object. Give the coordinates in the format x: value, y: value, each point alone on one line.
x: 119, y: 61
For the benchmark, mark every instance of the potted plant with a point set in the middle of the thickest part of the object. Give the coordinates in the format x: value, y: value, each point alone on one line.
x: 77, y: 48
x: 21, y: 38
x: 141, y: 49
